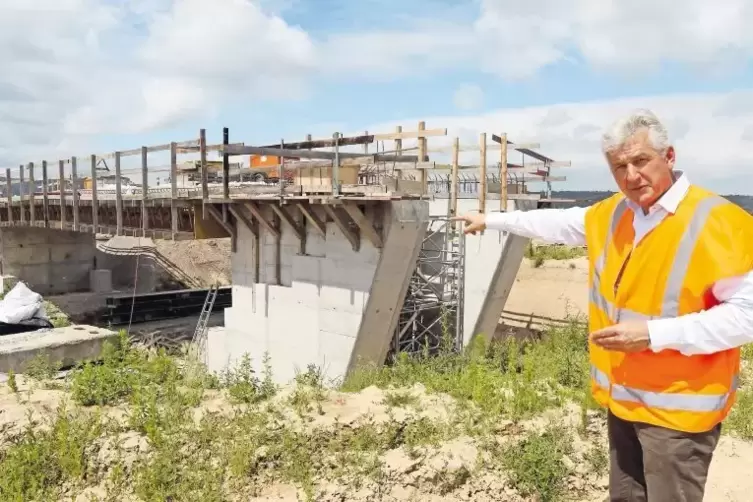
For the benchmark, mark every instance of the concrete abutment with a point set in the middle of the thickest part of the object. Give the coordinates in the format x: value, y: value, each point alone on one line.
x: 49, y: 261
x: 334, y: 302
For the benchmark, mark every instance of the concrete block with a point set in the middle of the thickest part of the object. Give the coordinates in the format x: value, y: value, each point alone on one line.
x: 7, y: 282
x: 307, y: 269
x: 340, y: 322
x: 334, y: 354
x: 100, y: 281
x: 308, y: 294
x: 343, y: 299
x: 315, y: 243
x: 70, y: 345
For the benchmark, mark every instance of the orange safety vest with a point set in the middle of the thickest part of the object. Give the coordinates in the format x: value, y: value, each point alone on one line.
x: 666, y: 275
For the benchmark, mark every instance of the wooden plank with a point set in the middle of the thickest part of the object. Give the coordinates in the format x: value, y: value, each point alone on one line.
x: 349, y: 234
x: 45, y: 199
x: 315, y: 154
x: 227, y: 226
x: 325, y: 143
x: 253, y: 208
x: 241, y: 216
x: 454, y: 179
x: 191, y: 143
x: 475, y: 148
x: 118, y: 197
x: 61, y: 185
x: 144, y: 189
x: 173, y: 189
x: 482, y: 174
x: 318, y: 224
x: 32, y: 195
x: 285, y: 216
x: 9, y: 188
x: 410, y: 134
x: 503, y: 173
x: 398, y: 148
x: 21, y: 189
x: 74, y: 189
x: 537, y: 165
x: 363, y: 223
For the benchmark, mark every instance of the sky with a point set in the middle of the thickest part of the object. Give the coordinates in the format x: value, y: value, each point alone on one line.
x: 94, y: 76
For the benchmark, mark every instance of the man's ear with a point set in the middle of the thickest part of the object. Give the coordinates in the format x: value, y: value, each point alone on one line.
x: 669, y: 156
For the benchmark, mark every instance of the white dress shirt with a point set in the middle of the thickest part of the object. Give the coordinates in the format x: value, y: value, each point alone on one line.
x: 723, y: 327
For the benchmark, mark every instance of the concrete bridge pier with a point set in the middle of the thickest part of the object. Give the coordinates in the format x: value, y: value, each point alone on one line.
x: 317, y: 284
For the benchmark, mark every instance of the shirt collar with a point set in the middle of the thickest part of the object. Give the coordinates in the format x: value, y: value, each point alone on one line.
x: 671, y: 198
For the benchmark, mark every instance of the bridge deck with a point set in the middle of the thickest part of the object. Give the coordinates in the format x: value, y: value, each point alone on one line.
x: 208, y: 209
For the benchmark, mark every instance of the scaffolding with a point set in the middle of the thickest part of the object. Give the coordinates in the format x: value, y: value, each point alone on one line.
x: 432, y: 313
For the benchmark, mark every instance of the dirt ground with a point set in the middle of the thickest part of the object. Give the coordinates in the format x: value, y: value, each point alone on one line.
x: 559, y: 287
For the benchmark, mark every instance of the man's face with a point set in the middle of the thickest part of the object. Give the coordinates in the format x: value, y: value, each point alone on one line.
x: 642, y: 173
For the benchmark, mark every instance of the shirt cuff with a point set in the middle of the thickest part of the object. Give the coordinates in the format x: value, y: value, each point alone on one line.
x: 665, y: 334
x: 497, y: 221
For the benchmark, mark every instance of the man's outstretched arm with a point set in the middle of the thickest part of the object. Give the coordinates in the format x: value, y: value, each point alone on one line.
x: 562, y: 226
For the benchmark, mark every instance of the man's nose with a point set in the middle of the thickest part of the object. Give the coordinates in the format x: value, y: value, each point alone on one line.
x: 632, y: 175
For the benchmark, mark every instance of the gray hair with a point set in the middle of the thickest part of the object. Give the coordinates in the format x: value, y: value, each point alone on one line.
x: 623, y: 129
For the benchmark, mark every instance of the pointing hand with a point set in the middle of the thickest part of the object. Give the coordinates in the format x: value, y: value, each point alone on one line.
x: 473, y: 222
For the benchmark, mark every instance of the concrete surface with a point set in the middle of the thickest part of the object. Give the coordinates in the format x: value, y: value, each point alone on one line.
x: 69, y: 346
x: 49, y: 261
x: 100, y: 281
x: 331, y: 306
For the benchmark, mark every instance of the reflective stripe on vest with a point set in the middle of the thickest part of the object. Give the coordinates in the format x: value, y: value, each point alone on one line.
x: 671, y: 301
x: 684, y: 402
x: 670, y: 308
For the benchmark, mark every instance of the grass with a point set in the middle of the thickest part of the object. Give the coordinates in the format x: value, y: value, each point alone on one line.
x: 540, y: 254
x: 142, y: 424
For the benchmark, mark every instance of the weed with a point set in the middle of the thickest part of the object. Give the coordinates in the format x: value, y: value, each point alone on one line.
x: 540, y: 254
x: 400, y: 398
x: 12, y: 383
x: 536, y: 463
x: 41, y: 367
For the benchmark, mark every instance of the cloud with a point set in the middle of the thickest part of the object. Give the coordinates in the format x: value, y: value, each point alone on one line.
x: 468, y: 97
x: 76, y: 69
x: 514, y: 40
x: 713, y: 149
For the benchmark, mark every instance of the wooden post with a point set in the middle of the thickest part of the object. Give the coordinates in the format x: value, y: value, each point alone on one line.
x: 503, y: 173
x: 203, y: 160
x: 454, y: 180
x: 336, y: 166
x: 61, y: 186
x: 74, y: 189
x: 45, y: 197
x: 9, y: 186
x: 21, y: 190
x: 281, y: 172
x: 225, y: 165
x: 32, y: 197
x: 118, y: 197
x: 174, y: 189
x: 398, y: 151
x: 482, y: 175
x: 144, y: 190
x: 95, y: 203
x: 422, y: 157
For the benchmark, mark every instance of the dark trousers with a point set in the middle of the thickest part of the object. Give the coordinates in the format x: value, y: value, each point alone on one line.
x: 654, y: 464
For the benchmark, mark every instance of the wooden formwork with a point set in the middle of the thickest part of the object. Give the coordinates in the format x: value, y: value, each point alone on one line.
x: 325, y: 171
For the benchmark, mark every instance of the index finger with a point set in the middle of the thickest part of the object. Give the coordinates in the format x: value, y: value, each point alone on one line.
x: 604, y: 333
x: 458, y: 218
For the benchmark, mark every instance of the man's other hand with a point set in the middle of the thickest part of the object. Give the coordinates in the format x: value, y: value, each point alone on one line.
x: 473, y: 222
x: 629, y: 336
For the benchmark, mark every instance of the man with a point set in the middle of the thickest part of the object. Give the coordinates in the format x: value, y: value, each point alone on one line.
x: 664, y: 357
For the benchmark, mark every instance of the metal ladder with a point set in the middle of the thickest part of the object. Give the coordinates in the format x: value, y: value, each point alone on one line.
x: 199, y: 334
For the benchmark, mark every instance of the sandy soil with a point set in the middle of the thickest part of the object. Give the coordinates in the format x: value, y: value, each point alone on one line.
x: 558, y: 286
